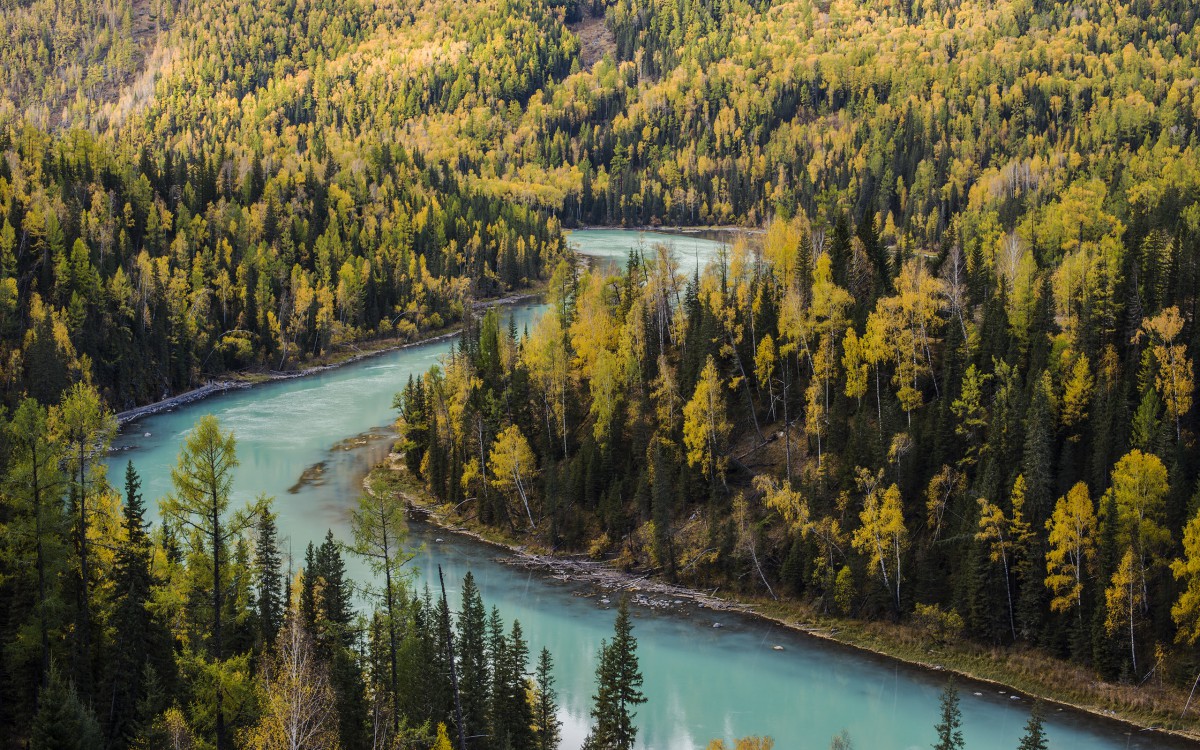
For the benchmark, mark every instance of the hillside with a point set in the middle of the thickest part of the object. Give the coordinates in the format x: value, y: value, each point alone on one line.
x: 954, y: 388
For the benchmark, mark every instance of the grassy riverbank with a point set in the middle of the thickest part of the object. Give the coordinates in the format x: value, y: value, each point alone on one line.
x: 1030, y: 672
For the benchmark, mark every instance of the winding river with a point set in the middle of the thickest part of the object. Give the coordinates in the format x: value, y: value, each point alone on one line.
x: 309, y: 441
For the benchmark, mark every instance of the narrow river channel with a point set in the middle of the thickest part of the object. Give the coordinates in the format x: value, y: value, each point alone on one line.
x: 309, y: 441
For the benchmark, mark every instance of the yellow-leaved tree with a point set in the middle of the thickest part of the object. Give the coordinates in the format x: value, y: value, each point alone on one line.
x: 1076, y: 395
x: 1186, y: 610
x: 827, y: 319
x: 705, y: 426
x: 298, y: 707
x: 882, y: 538
x: 1124, y: 599
x: 1173, y: 377
x: 1139, y: 489
x: 546, y: 355
x: 512, y: 465
x: 906, y: 325
x: 1005, y: 537
x: 1072, y: 529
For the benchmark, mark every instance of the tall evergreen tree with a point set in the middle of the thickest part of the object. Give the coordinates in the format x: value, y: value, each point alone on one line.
x: 547, y: 729
x: 471, y: 648
x: 137, y: 634
x: 618, y: 689
x: 1035, y: 735
x: 268, y: 579
x: 949, y: 728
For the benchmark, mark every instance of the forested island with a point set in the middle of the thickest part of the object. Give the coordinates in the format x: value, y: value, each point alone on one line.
x: 937, y: 400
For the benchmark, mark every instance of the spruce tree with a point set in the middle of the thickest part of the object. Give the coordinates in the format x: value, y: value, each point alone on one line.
x: 516, y: 691
x: 63, y: 722
x: 136, y: 634
x: 472, y: 663
x: 949, y: 729
x: 500, y: 719
x: 1035, y: 736
x: 618, y: 688
x: 547, y: 729
x: 268, y: 579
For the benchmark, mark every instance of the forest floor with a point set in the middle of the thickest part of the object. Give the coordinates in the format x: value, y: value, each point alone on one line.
x: 1151, y: 707
x: 595, y: 40
x: 341, y: 355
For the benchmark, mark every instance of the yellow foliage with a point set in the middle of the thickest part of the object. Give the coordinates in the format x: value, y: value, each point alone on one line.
x: 1072, y: 529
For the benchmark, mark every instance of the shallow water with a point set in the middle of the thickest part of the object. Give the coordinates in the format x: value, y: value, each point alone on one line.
x: 701, y: 682
x: 694, y: 252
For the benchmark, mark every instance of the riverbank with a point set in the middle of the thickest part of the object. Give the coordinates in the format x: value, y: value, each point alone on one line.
x: 1026, y: 673
x: 685, y: 230
x: 348, y: 353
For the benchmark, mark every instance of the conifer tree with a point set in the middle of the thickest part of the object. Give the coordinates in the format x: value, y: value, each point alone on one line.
x: 137, y: 635
x: 1035, y: 735
x: 547, y: 729
x: 471, y: 648
x: 949, y: 728
x: 618, y: 688
x: 268, y: 578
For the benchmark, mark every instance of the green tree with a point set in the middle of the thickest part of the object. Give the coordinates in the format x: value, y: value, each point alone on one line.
x: 471, y: 647
x: 63, y: 721
x: 268, y: 578
x: 618, y: 688
x: 85, y: 428
x: 203, y: 480
x: 139, y: 638
x: 547, y: 729
x: 379, y: 532
x: 36, y: 528
x: 1035, y: 735
x: 949, y: 727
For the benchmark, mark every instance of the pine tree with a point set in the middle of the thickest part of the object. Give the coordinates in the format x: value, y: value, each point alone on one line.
x: 1034, y: 737
x: 500, y: 718
x: 618, y: 689
x: 472, y: 663
x: 137, y: 634
x: 335, y: 636
x: 547, y: 728
x: 516, y: 691
x: 949, y: 729
x: 63, y: 722
x: 268, y: 579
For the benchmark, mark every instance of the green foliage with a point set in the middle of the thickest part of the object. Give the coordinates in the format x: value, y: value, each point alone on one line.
x: 63, y: 722
x: 618, y: 688
x: 1035, y: 736
x: 949, y: 727
x: 547, y: 729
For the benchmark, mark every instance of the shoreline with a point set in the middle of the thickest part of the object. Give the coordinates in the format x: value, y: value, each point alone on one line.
x: 580, y: 569
x: 671, y: 229
x: 236, y: 382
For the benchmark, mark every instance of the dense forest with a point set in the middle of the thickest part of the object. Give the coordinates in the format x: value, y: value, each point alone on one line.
x: 195, y: 632
x: 948, y: 380
x: 211, y: 233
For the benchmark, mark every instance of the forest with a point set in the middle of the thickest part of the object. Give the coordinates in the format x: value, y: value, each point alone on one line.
x: 195, y: 631
x: 945, y: 381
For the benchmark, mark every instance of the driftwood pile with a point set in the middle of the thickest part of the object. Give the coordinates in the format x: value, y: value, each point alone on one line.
x: 643, y: 589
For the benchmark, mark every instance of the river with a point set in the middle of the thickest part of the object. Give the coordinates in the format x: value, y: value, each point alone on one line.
x: 702, y: 682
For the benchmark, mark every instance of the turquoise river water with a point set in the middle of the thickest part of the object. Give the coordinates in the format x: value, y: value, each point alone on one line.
x: 309, y: 442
